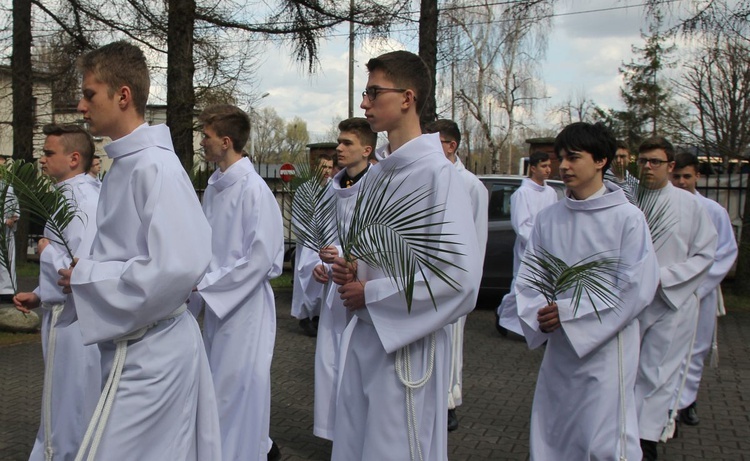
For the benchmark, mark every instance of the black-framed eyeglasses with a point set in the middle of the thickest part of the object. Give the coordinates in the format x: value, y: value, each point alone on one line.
x: 373, y: 91
x: 655, y: 162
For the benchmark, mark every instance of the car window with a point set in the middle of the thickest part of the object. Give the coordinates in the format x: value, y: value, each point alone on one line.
x: 500, y: 201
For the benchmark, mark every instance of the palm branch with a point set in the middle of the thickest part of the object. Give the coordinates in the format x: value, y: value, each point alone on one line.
x: 313, y: 209
x: 398, y: 235
x: 46, y: 203
x: 595, y: 277
x: 658, y: 214
x: 9, y: 208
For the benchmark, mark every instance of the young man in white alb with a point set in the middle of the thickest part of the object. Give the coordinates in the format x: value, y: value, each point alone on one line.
x: 152, y: 246
x: 240, y: 318
x: 685, y: 243
x: 527, y: 201
x: 450, y: 138
x: 685, y: 176
x: 72, y: 378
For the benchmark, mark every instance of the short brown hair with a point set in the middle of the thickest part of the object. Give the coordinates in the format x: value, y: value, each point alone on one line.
x: 657, y: 142
x: 447, y: 129
x: 406, y: 70
x: 120, y: 64
x: 361, y: 128
x: 228, y: 120
x: 74, y: 138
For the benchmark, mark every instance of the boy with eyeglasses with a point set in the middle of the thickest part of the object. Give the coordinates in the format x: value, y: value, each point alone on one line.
x: 685, y: 243
x: 393, y: 385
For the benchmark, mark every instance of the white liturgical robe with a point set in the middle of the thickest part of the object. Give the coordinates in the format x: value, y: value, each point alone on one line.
x: 371, y: 410
x: 333, y: 320
x: 72, y: 380
x: 708, y: 293
x: 525, y: 203
x: 577, y: 412
x: 10, y: 207
x: 240, y: 318
x: 152, y: 247
x: 685, y: 252
x: 479, y: 205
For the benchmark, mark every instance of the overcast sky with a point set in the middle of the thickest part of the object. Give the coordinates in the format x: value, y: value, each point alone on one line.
x: 586, y: 48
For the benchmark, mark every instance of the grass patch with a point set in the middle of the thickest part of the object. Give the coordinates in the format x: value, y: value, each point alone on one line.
x: 9, y: 339
x: 283, y: 281
x: 27, y: 269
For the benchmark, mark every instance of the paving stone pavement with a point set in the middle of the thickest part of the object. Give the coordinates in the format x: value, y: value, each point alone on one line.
x: 499, y: 377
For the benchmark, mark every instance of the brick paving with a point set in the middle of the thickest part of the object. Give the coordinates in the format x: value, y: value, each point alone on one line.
x: 499, y: 376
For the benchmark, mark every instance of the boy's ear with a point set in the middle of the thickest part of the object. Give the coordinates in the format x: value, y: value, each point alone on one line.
x: 410, y: 98
x: 125, y: 96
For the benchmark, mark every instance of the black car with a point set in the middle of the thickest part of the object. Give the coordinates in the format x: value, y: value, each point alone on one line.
x: 498, y: 260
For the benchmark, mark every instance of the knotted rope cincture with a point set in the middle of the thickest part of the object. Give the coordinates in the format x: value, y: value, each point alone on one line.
x: 403, y: 370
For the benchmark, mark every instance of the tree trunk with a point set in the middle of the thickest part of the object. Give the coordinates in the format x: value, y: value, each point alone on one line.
x: 742, y: 274
x: 180, y: 70
x: 23, y: 102
x: 428, y: 24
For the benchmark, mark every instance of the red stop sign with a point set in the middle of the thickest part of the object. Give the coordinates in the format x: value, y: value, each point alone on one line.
x: 287, y: 172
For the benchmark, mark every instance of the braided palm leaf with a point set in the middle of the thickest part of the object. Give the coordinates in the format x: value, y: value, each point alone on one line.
x: 46, y: 203
x: 313, y: 209
x: 396, y: 236
x: 594, y: 276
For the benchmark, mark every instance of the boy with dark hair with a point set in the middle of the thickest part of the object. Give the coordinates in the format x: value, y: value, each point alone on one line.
x: 584, y: 404
x: 393, y: 385
x: 685, y: 242
x: 619, y: 174
x: 239, y: 326
x: 685, y: 176
x: 356, y: 142
x: 151, y: 248
x: 526, y: 202
x: 72, y: 378
x: 450, y: 138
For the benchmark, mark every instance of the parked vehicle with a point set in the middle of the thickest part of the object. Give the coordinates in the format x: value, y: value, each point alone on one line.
x: 498, y: 259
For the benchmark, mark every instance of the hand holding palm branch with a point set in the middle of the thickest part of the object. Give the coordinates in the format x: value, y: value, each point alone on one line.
x: 396, y: 232
x: 595, y: 277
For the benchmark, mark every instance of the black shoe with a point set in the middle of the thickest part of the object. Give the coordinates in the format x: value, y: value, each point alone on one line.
x: 502, y: 330
x: 315, y: 322
x: 689, y: 415
x: 452, y: 420
x: 649, y: 450
x: 274, y: 454
x: 308, y: 328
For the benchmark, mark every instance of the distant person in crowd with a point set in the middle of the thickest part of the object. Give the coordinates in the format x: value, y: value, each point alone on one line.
x: 239, y: 326
x: 584, y: 404
x: 685, y: 243
x: 619, y: 173
x: 72, y: 378
x: 11, y: 214
x: 95, y: 170
x: 685, y: 176
x: 450, y: 139
x: 526, y: 202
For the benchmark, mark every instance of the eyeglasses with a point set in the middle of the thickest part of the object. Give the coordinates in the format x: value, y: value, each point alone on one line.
x: 373, y: 91
x: 655, y: 162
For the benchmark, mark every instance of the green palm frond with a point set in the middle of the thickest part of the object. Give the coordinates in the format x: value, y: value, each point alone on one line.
x: 313, y: 209
x: 595, y: 276
x: 46, y: 203
x: 9, y: 208
x: 398, y: 235
x: 659, y: 216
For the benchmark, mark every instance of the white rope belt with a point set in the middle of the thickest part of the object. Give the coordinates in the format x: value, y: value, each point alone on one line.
x: 55, y: 310
x: 403, y: 370
x: 669, y: 430
x: 106, y: 400
x: 623, y: 420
